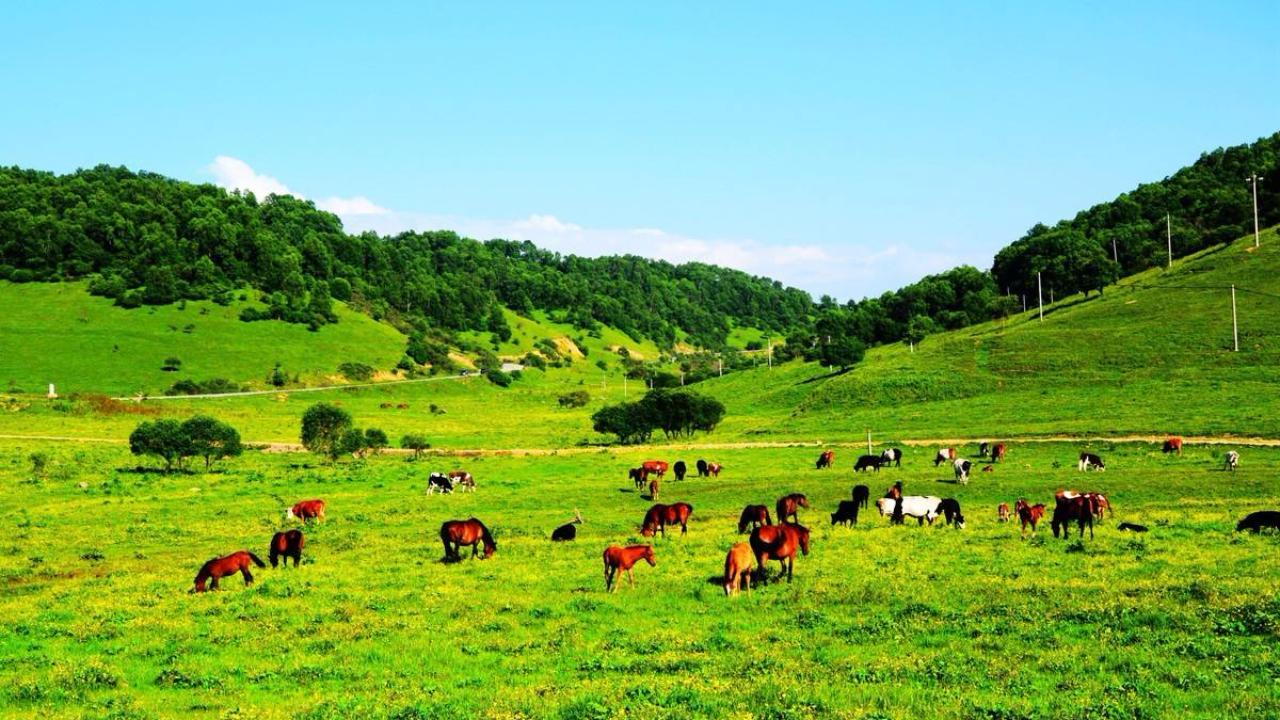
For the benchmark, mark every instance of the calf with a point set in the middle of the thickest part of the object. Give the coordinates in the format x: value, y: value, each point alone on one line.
x: 1030, y: 515
x: 868, y: 461
x: 1172, y: 445
x: 846, y: 513
x: 1002, y: 512
x: 714, y: 469
x: 1089, y: 461
x: 737, y: 568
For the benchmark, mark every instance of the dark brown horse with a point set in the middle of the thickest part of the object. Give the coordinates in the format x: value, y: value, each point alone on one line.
x: 624, y: 558
x: 754, y: 516
x: 660, y: 516
x: 457, y: 533
x: 639, y: 476
x: 779, y: 542
x: 220, y: 567
x: 788, y: 505
x: 286, y: 544
x: 1081, y: 509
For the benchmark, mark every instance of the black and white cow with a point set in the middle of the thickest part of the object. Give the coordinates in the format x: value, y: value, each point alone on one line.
x: 892, y: 456
x: 984, y: 447
x: 439, y: 482
x: 962, y: 468
x: 1089, y: 461
x: 1233, y: 460
x: 944, y: 455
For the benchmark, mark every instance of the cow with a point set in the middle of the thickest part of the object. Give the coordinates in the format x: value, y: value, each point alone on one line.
x: 702, y: 468
x: 920, y: 507
x: 962, y: 468
x: 714, y: 469
x: 1233, y: 460
x: 439, y: 482
x: 306, y: 511
x: 680, y: 469
x: 1172, y: 445
x: 1002, y: 512
x: 944, y: 455
x: 463, y: 479
x: 826, y: 459
x: 949, y: 508
x: 984, y: 447
x: 892, y: 455
x: 1131, y: 527
x: 998, y: 452
x: 868, y: 461
x: 1256, y: 521
x: 861, y: 493
x: 846, y: 513
x: 1081, y: 509
x: 655, y: 467
x: 1089, y: 461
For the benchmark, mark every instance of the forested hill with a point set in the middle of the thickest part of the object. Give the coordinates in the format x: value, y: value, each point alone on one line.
x: 147, y: 239
x: 143, y: 238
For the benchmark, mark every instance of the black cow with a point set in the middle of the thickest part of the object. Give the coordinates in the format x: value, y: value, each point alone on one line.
x: 860, y: 495
x: 1131, y: 527
x: 702, y: 468
x: 868, y: 461
x: 1256, y: 521
x: 950, y: 509
x: 892, y: 455
x: 680, y: 469
x: 846, y: 513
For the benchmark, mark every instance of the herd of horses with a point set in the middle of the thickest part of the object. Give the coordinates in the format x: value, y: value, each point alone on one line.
x: 779, y: 537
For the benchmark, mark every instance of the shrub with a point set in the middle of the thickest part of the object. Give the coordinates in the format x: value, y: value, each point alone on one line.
x: 211, y: 439
x: 499, y: 378
x: 416, y: 443
x: 352, y: 442
x: 278, y: 378
x: 356, y: 372
x: 212, y: 386
x: 323, y: 429
x: 164, y: 439
x: 39, y: 461
x: 375, y: 440
x: 575, y: 399
x: 172, y: 364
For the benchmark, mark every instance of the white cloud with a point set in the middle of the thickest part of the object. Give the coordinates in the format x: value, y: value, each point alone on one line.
x: 358, y: 205
x: 236, y: 174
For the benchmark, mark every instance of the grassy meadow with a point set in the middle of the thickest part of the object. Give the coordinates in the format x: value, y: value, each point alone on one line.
x: 880, y: 622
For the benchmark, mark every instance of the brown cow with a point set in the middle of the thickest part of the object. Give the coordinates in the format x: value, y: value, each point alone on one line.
x: 998, y: 452
x: 655, y: 467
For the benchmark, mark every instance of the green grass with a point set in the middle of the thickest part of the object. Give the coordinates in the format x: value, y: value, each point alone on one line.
x: 906, y: 622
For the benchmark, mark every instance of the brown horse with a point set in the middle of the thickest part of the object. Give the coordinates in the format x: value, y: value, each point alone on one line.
x: 624, y: 558
x: 788, y: 505
x: 1081, y: 509
x: 654, y: 487
x: 1172, y: 445
x: 660, y: 516
x: 1029, y: 515
x: 307, y: 510
x: 754, y: 516
x: 286, y: 544
x: 714, y: 469
x: 737, y: 568
x: 457, y: 533
x: 1002, y: 512
x: 639, y: 476
x: 779, y: 542
x: 655, y: 467
x: 220, y: 567
x: 998, y: 452
x: 826, y: 459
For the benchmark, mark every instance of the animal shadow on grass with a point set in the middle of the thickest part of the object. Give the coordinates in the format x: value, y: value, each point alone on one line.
x: 827, y: 376
x: 140, y: 470
x: 718, y: 580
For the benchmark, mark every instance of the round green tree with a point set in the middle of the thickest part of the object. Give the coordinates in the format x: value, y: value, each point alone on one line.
x: 323, y: 426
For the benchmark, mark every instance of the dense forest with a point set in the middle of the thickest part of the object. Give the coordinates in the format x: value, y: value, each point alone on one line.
x: 141, y: 238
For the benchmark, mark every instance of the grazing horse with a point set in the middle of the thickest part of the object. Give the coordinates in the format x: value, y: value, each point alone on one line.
x: 962, y: 468
x: 779, y: 542
x: 1029, y: 515
x: 1233, y: 460
x: 463, y: 479
x: 680, y: 469
x: 868, y: 461
x: 569, y: 530
x: 788, y: 505
x: 1256, y: 521
x: 457, y: 533
x: 714, y: 469
x: 624, y: 558
x: 846, y: 513
x: 1081, y: 509
x: 754, y: 516
x: 984, y: 447
x: 949, y: 508
x: 1089, y: 461
x: 655, y: 467
x: 1172, y: 445
x: 861, y: 494
x: 660, y: 516
x: 892, y: 456
x: 826, y: 459
x: 944, y: 455
x: 439, y: 482
x: 702, y: 468
x: 737, y: 568
x: 654, y: 486
x: 220, y: 567
x: 639, y: 476
x: 1002, y: 512
x: 286, y: 544
x: 307, y: 510
x: 998, y: 452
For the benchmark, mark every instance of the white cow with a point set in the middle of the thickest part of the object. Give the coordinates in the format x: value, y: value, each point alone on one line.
x: 1233, y: 460
x: 962, y: 468
x: 920, y: 507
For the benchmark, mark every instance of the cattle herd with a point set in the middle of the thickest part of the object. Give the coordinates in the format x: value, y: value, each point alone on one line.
x: 769, y: 540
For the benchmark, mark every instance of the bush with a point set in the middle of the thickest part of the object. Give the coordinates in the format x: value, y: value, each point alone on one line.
x: 164, y: 439
x: 323, y: 429
x: 575, y: 399
x: 375, y: 440
x: 212, y: 386
x: 499, y: 378
x: 356, y: 372
x: 172, y: 364
x: 211, y: 439
x: 416, y: 443
x: 676, y: 412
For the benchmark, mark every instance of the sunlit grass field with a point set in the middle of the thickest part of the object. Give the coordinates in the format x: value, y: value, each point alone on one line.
x: 880, y: 622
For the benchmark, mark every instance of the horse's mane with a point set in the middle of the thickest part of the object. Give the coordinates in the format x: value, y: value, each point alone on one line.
x: 484, y: 531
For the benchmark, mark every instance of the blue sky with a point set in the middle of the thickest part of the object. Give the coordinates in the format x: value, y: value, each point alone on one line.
x: 844, y: 148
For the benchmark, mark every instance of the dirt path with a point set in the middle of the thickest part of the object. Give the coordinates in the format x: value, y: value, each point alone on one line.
x: 290, y: 391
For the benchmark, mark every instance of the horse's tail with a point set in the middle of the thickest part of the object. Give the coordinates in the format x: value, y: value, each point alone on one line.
x: 256, y: 560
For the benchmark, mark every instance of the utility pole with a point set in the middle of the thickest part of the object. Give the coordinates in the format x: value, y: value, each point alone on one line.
x: 1024, y: 302
x: 1040, y: 296
x: 770, y: 353
x: 624, y: 386
x: 868, y: 441
x: 1115, y: 254
x: 1235, y: 327
x: 1168, y: 233
x: 720, y: 360
x: 1254, y: 180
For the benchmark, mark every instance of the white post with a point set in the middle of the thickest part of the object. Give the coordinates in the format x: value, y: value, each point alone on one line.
x: 1040, y: 296
x: 721, y: 361
x: 1115, y: 254
x: 52, y: 392
x: 770, y: 352
x: 1254, y: 180
x: 1235, y: 327
x: 624, y: 386
x: 681, y: 378
x: 1024, y: 302
x: 868, y: 441
x: 1168, y: 233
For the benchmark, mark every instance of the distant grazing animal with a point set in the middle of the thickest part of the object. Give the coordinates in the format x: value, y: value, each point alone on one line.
x: 639, y: 476
x: 623, y: 559
x: 1131, y: 527
x: 654, y: 486
x: 944, y: 455
x: 655, y: 467
x: 679, y: 469
x: 920, y: 507
x: 1029, y: 515
x: 1089, y: 461
x: 220, y: 567
x: 286, y: 544
x: 892, y: 455
x: 846, y: 513
x: 463, y: 479
x: 737, y: 568
x: 868, y: 461
x: 1081, y: 509
x: 998, y: 452
x: 1256, y: 521
x: 778, y: 542
x: 1002, y: 512
x: 1099, y: 502
x: 826, y: 459
x: 568, y: 531
x: 307, y: 510
x: 714, y: 469
x: 660, y: 516
x: 439, y: 482
x: 702, y: 468
x: 1233, y: 460
x: 788, y: 505
x: 1173, y: 445
x: 988, y: 468
x: 753, y: 516
x: 949, y: 508
x: 984, y: 447
x: 962, y: 468
x: 861, y: 493
x: 455, y: 534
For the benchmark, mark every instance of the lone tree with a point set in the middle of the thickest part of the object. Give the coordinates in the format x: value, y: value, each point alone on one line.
x: 323, y: 426
x: 211, y: 439
x: 843, y: 352
x: 375, y: 440
x: 416, y: 443
x: 164, y: 439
